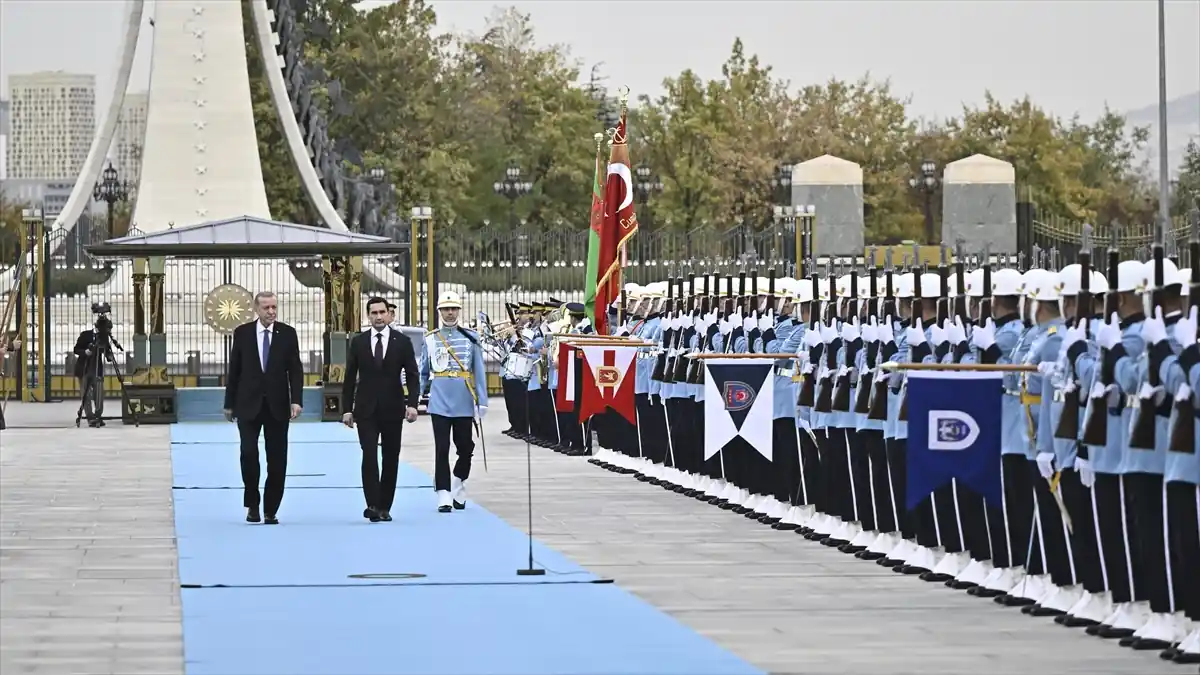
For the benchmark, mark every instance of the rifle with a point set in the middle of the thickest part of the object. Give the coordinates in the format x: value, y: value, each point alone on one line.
x: 1095, y: 420
x: 879, y: 394
x: 1183, y: 427
x: 1068, y: 421
x: 943, y: 303
x: 985, y: 303
x: 707, y: 304
x: 841, y: 391
x: 679, y: 370
x: 809, y: 384
x: 866, y: 381
x: 660, y: 363
x: 824, y: 402
x: 1142, y: 426
x: 917, y: 313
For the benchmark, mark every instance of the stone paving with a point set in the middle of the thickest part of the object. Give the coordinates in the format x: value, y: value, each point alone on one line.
x: 88, y: 576
x: 88, y: 564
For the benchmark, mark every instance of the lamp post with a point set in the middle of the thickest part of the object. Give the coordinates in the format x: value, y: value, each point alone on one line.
x: 110, y: 190
x: 927, y: 184
x: 512, y: 188
x: 782, y: 184
x: 421, y: 247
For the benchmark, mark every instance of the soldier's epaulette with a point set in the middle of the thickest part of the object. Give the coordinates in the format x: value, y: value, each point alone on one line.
x: 1052, y: 330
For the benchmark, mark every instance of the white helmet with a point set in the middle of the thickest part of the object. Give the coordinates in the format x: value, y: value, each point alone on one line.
x: 449, y: 300
x: 973, y: 280
x: 1006, y: 281
x: 1131, y: 277
x: 902, y: 285
x: 1170, y: 274
x: 864, y: 287
x: 931, y: 285
x: 1041, y: 285
x: 1099, y: 283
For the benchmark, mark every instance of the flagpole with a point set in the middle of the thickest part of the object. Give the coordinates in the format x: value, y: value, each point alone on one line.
x: 963, y: 367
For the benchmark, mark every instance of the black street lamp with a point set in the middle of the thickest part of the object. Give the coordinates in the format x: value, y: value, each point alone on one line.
x: 110, y: 190
x: 782, y: 184
x: 927, y: 185
x: 512, y: 188
x: 646, y: 184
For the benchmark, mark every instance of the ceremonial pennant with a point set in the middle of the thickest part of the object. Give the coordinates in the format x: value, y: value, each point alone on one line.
x: 954, y: 424
x: 564, y: 392
x: 738, y: 403
x: 607, y: 382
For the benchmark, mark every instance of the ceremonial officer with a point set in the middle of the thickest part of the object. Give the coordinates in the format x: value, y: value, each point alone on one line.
x: 1183, y: 479
x: 514, y: 376
x: 539, y: 418
x: 452, y: 371
x: 893, y: 341
x: 784, y: 474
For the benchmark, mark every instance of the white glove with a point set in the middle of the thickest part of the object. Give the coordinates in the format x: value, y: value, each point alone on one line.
x: 1047, y: 368
x: 1045, y: 462
x: 937, y: 335
x: 812, y: 337
x: 983, y: 337
x: 726, y: 327
x: 1109, y: 333
x: 1185, y: 330
x: 1154, y: 329
x: 480, y: 411
x: 916, y: 334
x: 828, y: 334
x: 766, y: 321
x: 956, y: 332
x: 1184, y: 393
x: 870, y: 332
x: 749, y: 323
x: 885, y: 333
x: 1087, y: 475
x: 1071, y: 336
x: 850, y: 331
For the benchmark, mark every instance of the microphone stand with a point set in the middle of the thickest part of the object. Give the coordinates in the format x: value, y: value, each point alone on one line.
x: 530, y: 570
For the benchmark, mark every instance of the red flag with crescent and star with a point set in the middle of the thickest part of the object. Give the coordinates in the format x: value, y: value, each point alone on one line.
x: 619, y: 222
x: 608, y: 382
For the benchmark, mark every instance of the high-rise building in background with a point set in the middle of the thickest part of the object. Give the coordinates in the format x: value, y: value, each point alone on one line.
x: 53, y: 120
x: 126, y: 150
x: 4, y: 130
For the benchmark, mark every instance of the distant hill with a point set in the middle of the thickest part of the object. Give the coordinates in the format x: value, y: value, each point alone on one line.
x: 1183, y: 124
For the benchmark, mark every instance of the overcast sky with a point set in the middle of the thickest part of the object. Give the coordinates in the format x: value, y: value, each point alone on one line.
x: 1068, y: 55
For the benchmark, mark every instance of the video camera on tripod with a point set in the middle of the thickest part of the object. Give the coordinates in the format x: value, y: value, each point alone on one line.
x: 103, y: 341
x: 92, y: 372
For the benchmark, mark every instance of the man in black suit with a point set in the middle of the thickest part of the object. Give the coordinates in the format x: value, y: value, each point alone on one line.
x: 263, y: 392
x: 373, y: 396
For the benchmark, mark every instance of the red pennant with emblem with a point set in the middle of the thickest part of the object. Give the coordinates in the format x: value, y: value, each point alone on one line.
x: 608, y: 382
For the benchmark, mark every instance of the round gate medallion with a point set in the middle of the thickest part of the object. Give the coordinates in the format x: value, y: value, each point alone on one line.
x: 227, y: 307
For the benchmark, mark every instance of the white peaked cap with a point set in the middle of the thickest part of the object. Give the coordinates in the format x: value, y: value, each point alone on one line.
x: 1007, y: 281
x: 902, y: 285
x: 974, y: 283
x: 1170, y: 274
x: 1041, y: 285
x: 1131, y: 277
x: 931, y: 285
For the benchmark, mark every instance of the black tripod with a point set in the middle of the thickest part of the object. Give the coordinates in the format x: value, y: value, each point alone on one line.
x: 101, y: 349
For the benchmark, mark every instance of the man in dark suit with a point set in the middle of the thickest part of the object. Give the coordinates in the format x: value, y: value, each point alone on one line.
x: 373, y: 397
x: 263, y: 392
x: 14, y: 346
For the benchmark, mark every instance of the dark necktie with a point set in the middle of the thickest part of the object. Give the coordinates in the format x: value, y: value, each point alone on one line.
x: 379, y: 349
x: 266, y: 348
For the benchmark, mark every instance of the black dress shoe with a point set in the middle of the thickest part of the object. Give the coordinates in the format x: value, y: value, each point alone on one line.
x: 385, y: 516
x: 443, y: 509
x: 460, y: 505
x: 252, y: 516
x: 271, y: 519
x: 371, y: 514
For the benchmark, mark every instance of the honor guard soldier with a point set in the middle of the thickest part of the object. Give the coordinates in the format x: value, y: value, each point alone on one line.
x: 452, y: 371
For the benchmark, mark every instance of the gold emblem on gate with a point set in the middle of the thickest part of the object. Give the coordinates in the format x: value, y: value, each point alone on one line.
x: 227, y: 307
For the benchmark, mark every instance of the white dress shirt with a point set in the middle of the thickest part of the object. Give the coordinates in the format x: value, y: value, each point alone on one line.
x: 258, y: 338
x: 386, y: 332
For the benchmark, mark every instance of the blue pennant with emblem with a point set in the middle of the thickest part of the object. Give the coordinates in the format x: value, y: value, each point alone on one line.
x: 738, y: 405
x: 954, y: 423
x: 739, y: 386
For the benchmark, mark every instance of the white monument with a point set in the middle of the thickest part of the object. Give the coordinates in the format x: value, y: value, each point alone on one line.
x: 200, y: 164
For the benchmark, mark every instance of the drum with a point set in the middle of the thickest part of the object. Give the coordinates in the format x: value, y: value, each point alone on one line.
x: 518, y: 366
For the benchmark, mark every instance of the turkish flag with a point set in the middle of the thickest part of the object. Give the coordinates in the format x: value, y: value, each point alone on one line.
x: 608, y: 381
x: 564, y: 393
x: 618, y: 222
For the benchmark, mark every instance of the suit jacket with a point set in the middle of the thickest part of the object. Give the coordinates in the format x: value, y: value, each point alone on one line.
x: 368, y: 388
x: 85, y: 340
x: 248, y: 387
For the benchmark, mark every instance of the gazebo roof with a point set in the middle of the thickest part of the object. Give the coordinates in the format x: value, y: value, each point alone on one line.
x: 245, y: 237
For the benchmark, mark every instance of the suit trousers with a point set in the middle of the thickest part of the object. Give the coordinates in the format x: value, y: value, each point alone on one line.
x: 379, y: 436
x: 275, y: 439
x: 446, y: 429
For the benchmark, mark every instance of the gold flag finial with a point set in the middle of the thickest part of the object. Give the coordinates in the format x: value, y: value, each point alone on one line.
x: 623, y: 95
x: 599, y: 138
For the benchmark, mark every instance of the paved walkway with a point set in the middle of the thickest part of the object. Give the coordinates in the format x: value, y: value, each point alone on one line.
x: 88, y: 580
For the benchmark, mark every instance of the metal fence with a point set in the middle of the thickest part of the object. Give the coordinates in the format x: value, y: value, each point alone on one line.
x: 1135, y: 241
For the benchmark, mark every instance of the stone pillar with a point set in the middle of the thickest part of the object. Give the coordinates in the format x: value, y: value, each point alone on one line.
x: 979, y: 204
x: 158, y: 330
x: 141, y: 344
x: 833, y: 186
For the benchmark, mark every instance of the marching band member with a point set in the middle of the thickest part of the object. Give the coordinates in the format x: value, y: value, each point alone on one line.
x: 452, y: 371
